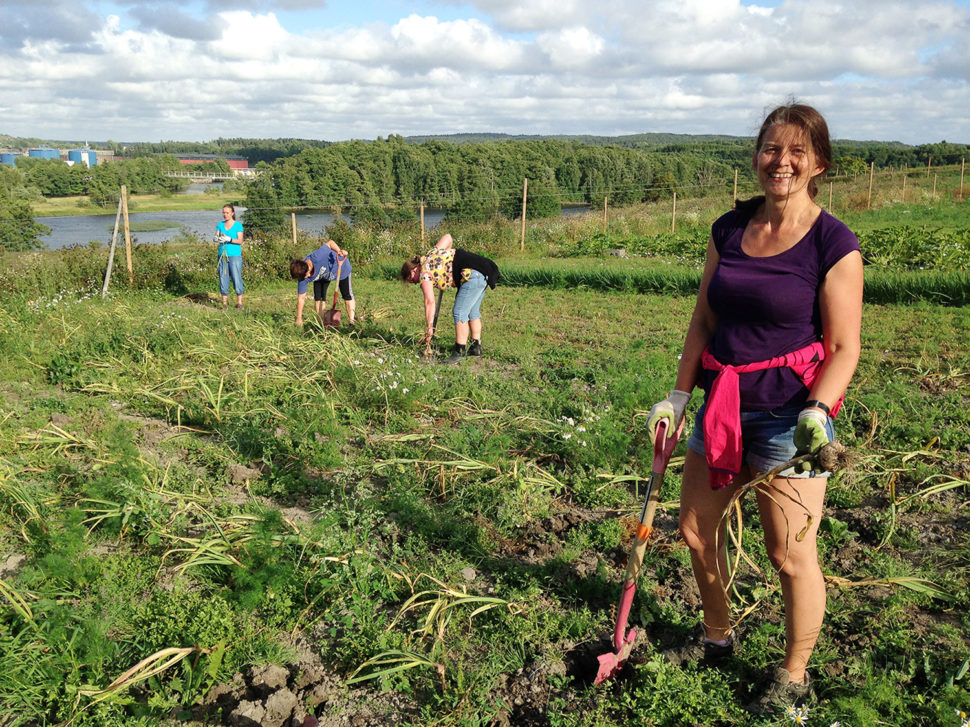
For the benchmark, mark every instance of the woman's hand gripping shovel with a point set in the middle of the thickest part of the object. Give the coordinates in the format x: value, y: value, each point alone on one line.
x: 663, y: 448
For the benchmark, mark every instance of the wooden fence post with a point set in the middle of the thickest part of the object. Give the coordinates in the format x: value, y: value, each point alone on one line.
x: 929, y: 163
x: 963, y: 164
x: 904, y: 187
x: 525, y: 196
x: 422, y: 224
x: 830, y: 196
x: 124, y: 212
x: 734, y: 197
x: 673, y: 215
x: 111, y: 253
x: 604, y: 213
x: 872, y: 171
x: 293, y: 225
x: 935, y: 175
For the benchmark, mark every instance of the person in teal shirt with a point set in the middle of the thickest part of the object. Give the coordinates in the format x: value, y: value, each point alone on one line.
x: 229, y: 235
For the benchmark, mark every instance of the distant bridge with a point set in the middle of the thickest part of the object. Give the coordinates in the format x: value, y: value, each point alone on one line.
x: 197, y: 177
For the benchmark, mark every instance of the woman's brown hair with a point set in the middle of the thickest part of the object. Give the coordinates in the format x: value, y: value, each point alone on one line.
x: 408, y: 267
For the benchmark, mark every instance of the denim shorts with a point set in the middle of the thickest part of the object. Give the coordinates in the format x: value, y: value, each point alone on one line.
x: 468, y: 301
x: 766, y: 438
x: 230, y: 268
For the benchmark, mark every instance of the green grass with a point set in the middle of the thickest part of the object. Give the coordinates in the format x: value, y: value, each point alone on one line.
x: 61, y: 206
x: 149, y: 225
x: 172, y: 476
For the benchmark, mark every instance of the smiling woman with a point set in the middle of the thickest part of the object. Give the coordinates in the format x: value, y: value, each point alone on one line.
x: 775, y: 340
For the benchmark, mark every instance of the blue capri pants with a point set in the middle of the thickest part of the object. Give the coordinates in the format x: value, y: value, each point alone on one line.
x: 766, y: 439
x: 468, y: 301
x: 230, y: 268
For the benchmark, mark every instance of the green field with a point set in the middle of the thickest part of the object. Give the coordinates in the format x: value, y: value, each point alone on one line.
x: 188, y: 497
x: 60, y: 206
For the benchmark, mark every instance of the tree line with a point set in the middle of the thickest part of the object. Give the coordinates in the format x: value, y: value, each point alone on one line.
x: 471, y: 176
x: 385, y: 180
x: 374, y: 181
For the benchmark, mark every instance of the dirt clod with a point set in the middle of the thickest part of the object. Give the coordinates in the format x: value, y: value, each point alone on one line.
x: 241, y: 474
x: 268, y: 678
x: 247, y: 714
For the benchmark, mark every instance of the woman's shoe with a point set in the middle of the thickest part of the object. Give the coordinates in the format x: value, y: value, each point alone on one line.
x: 456, y: 355
x: 475, y: 348
x: 780, y: 692
x: 698, y: 650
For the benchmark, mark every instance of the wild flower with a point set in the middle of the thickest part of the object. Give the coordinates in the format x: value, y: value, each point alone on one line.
x: 962, y: 716
x: 798, y: 715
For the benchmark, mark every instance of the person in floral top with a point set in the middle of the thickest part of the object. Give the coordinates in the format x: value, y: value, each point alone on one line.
x: 446, y: 266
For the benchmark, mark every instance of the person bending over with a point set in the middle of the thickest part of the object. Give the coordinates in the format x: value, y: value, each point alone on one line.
x: 321, y: 267
x: 445, y: 266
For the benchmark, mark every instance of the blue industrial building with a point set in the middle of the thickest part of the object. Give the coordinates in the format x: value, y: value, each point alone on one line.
x: 44, y: 153
x: 83, y: 156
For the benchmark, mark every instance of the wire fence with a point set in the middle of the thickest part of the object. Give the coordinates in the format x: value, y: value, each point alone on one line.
x: 924, y: 185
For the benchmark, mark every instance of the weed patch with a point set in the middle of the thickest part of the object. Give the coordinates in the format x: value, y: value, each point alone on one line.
x: 216, y: 494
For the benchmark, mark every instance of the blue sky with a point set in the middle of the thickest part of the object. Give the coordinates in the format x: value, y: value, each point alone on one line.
x: 200, y: 69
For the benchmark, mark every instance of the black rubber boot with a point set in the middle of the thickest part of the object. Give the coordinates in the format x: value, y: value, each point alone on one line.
x: 456, y: 355
x: 475, y: 348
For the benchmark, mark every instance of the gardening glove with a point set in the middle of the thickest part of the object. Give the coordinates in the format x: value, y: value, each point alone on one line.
x: 672, y: 409
x: 810, y: 435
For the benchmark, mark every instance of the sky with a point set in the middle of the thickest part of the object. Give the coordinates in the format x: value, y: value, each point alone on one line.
x: 197, y: 70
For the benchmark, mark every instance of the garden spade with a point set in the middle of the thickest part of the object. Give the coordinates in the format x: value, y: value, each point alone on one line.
x: 611, y: 663
x: 331, y: 318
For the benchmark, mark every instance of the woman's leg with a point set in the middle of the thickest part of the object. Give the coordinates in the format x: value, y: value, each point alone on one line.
x: 320, y: 298
x: 235, y: 272
x: 701, y: 509
x: 464, y: 299
x: 347, y: 293
x: 475, y: 312
x: 223, y: 270
x: 784, y: 513
x: 467, y: 303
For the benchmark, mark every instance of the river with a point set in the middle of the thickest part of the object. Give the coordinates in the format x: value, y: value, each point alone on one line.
x: 81, y: 229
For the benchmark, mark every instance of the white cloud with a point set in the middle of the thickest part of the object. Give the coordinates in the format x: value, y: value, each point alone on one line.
x: 250, y: 37
x: 570, y: 47
x: 189, y: 70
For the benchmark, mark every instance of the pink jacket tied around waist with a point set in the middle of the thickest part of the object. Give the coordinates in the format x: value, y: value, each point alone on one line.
x: 722, y: 417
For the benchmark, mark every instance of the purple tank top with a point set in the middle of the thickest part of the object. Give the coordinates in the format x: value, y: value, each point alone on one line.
x: 768, y: 306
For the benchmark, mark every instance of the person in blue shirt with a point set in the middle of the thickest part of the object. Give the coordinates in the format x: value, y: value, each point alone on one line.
x: 320, y: 267
x: 229, y: 235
